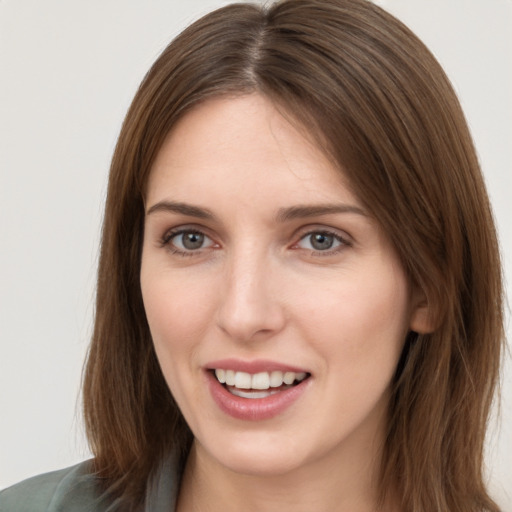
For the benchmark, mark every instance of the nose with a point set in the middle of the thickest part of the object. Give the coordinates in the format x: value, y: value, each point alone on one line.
x: 250, y: 307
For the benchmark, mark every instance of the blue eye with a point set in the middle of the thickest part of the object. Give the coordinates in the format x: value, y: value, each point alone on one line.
x: 188, y: 240
x: 321, y: 241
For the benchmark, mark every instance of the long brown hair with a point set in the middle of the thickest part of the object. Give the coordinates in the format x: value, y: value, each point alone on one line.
x: 381, y: 107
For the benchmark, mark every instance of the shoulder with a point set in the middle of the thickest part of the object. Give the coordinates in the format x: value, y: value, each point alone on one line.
x: 74, y: 489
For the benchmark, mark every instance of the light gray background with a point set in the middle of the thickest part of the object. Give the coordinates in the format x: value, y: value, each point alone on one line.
x: 68, y: 70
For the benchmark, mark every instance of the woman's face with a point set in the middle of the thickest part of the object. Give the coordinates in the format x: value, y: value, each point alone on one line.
x: 259, y: 265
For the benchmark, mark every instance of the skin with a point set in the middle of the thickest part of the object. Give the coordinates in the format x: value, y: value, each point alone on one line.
x: 257, y: 289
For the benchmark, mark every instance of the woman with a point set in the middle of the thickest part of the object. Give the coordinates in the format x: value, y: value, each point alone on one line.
x: 299, y: 291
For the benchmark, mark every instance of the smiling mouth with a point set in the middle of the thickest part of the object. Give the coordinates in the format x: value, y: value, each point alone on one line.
x: 258, y: 385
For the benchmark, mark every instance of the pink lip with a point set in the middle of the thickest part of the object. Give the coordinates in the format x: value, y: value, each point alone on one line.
x: 254, y: 409
x: 256, y: 366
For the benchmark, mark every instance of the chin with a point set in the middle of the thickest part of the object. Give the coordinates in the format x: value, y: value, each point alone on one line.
x: 262, y: 464
x: 255, y: 453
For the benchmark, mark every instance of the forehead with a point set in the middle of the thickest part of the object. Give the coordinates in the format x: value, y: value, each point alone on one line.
x: 243, y: 145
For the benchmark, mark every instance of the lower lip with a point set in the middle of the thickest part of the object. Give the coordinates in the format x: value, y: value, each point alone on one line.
x: 254, y: 409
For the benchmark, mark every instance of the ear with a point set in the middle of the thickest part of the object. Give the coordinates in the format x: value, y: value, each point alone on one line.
x: 422, y: 314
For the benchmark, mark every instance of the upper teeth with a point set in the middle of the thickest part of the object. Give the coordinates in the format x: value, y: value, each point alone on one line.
x: 263, y: 380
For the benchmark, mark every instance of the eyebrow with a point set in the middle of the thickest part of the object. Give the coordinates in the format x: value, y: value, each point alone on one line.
x: 183, y: 208
x: 306, y: 211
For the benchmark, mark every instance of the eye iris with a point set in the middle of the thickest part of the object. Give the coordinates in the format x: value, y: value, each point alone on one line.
x: 192, y: 240
x: 321, y: 241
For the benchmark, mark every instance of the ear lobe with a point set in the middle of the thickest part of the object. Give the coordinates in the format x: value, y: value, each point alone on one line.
x: 422, y: 316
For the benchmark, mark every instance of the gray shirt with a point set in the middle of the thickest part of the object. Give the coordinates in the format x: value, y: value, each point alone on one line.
x: 76, y: 489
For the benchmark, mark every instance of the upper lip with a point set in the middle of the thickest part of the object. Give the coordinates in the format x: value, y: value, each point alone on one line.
x: 253, y: 366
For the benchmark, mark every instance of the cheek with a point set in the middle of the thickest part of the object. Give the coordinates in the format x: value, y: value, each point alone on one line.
x: 172, y: 306
x: 360, y: 326
x: 177, y: 321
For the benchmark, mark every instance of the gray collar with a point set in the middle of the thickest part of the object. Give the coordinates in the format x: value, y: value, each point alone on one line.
x: 162, y: 490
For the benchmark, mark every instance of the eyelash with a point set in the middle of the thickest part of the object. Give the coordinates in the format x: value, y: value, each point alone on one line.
x: 166, y: 242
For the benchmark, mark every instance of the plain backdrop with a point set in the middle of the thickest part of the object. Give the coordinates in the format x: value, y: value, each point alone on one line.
x: 68, y: 71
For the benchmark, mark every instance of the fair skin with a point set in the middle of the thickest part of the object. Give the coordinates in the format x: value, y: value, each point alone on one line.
x: 258, y: 258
